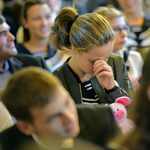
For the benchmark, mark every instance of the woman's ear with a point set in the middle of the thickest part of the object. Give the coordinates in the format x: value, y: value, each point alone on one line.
x: 73, y: 49
x: 24, y: 23
x: 148, y: 92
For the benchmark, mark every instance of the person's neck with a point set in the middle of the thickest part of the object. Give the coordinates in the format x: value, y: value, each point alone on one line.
x: 82, y: 75
x: 138, y: 18
x: 35, y: 45
x: 50, y: 144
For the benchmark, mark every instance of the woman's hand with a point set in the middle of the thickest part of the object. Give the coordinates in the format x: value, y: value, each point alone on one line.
x: 104, y: 74
x: 135, y: 82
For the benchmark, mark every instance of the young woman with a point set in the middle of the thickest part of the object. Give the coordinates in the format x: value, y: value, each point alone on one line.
x: 133, y: 59
x: 139, y: 22
x: 93, y: 74
x: 36, y: 20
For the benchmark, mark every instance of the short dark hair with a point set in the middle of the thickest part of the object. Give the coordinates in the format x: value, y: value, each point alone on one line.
x: 28, y: 87
x: 2, y: 20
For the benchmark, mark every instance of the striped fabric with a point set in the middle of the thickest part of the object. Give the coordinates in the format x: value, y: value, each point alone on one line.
x: 88, y: 94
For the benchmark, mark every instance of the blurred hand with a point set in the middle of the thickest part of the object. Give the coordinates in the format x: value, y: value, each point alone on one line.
x: 104, y: 74
x: 127, y: 126
x: 135, y: 82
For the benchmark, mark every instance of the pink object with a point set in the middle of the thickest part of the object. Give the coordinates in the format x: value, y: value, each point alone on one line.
x: 120, y: 114
x: 123, y: 100
x: 119, y: 109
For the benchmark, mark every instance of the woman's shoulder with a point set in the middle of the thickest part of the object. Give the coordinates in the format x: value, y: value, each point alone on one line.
x: 116, y: 58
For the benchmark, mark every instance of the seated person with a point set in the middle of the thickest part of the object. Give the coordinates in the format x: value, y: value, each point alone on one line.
x: 11, y: 62
x: 138, y: 21
x: 47, y: 115
x: 93, y: 75
x: 133, y: 60
x: 36, y: 20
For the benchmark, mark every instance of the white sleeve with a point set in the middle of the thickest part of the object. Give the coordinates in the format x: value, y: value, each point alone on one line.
x: 5, y: 118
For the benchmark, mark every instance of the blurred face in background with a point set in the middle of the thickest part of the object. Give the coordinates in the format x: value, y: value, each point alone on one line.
x: 38, y: 21
x: 7, y: 46
x: 130, y: 6
x: 120, y: 28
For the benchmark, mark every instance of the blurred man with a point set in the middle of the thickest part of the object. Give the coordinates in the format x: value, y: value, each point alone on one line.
x: 47, y: 115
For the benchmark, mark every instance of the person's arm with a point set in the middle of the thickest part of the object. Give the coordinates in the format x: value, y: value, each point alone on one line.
x: 121, y: 77
x: 135, y: 82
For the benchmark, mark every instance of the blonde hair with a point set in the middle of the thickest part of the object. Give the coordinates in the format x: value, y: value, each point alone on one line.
x: 108, y: 12
x: 86, y: 31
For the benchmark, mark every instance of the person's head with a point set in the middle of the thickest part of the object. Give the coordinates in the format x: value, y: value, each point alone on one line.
x: 90, y: 36
x: 36, y: 19
x: 41, y: 105
x: 117, y: 22
x: 7, y: 46
x: 129, y: 6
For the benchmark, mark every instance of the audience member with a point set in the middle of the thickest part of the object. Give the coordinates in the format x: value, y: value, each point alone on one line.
x: 133, y: 59
x: 36, y: 20
x: 47, y: 114
x: 139, y: 112
x: 93, y: 74
x: 139, y: 34
x: 10, y: 63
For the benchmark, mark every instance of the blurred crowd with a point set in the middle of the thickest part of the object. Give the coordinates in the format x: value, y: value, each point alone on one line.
x: 62, y: 62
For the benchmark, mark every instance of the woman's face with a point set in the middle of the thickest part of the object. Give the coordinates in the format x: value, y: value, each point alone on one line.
x: 85, y: 61
x: 130, y: 5
x: 120, y: 29
x: 38, y: 21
